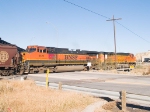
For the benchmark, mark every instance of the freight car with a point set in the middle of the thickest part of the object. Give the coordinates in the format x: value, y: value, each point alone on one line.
x: 10, y: 58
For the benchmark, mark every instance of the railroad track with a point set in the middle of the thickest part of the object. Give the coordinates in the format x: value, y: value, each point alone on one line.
x: 11, y: 77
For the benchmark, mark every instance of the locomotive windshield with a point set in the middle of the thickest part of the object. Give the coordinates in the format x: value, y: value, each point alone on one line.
x: 31, y: 50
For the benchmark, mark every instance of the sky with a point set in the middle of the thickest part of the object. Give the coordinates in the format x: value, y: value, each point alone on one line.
x: 58, y: 23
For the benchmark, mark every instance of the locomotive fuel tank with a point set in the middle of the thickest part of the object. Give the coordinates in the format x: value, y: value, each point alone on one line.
x: 69, y: 68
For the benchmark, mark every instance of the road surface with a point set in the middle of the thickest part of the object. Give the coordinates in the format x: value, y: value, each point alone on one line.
x: 96, y: 80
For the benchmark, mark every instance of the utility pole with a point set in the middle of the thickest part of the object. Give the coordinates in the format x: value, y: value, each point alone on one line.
x: 113, y: 19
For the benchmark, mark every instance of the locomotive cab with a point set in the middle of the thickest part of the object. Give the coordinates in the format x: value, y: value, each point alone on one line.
x: 39, y: 49
x: 34, y: 58
x: 34, y: 52
x: 31, y: 49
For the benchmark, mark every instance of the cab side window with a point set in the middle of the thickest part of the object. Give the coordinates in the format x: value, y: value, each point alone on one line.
x: 31, y: 50
x: 44, y: 51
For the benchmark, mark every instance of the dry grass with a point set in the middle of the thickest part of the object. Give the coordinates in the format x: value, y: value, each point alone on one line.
x: 141, y: 69
x: 25, y: 96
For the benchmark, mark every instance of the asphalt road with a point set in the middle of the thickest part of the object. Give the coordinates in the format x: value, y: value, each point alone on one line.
x: 115, y: 82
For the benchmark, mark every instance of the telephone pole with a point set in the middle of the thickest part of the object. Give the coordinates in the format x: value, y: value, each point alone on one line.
x: 113, y: 19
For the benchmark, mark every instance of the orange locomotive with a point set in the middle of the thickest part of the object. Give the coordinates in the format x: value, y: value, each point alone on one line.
x: 106, y: 60
x: 39, y: 58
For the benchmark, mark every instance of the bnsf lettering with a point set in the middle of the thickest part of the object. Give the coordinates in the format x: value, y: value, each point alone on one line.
x: 71, y: 57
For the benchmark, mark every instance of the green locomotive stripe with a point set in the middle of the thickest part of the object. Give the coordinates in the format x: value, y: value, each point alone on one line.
x: 52, y: 62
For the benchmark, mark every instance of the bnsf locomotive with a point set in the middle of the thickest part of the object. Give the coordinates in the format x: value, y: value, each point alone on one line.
x: 40, y: 58
x: 37, y: 59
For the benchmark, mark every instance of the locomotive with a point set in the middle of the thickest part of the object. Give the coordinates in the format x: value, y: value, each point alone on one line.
x: 37, y: 59
x: 109, y: 60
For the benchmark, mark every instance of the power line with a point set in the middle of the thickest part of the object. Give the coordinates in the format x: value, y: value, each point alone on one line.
x: 132, y: 32
x: 86, y: 9
x: 106, y: 18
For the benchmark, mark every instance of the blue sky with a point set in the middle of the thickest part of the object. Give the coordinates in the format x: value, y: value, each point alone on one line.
x: 23, y: 22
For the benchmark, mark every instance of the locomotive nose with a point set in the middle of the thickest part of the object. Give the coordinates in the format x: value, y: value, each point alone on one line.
x: 23, y: 54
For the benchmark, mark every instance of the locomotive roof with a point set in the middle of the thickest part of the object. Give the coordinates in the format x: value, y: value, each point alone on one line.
x: 64, y: 50
x: 78, y: 51
x: 92, y: 52
x: 112, y: 53
x: 124, y: 53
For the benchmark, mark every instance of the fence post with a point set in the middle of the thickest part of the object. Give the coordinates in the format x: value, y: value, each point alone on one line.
x: 47, y: 83
x: 123, y: 100
x: 60, y: 86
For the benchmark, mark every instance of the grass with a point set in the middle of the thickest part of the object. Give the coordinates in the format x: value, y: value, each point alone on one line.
x: 143, y: 69
x: 25, y: 96
x: 138, y: 67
